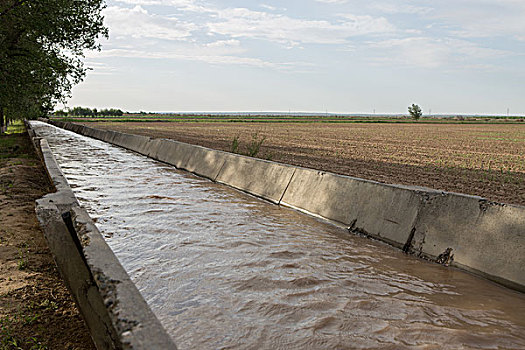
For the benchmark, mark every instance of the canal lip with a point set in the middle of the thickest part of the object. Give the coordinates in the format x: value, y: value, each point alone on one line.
x: 468, y: 232
x: 115, y: 312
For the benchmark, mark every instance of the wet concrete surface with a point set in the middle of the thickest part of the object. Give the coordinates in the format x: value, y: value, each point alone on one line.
x: 224, y: 270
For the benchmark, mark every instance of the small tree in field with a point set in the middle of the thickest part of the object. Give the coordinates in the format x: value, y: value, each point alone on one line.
x: 415, y: 111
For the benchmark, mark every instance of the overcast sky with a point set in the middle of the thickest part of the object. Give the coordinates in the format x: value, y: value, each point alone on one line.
x: 351, y: 56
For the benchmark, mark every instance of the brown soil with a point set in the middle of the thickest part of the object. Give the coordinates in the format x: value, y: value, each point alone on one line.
x: 36, y: 309
x: 484, y: 160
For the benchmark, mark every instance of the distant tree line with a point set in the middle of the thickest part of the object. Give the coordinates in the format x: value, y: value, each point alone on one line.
x: 88, y: 112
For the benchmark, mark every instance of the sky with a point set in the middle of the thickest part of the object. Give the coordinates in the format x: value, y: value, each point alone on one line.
x: 336, y: 56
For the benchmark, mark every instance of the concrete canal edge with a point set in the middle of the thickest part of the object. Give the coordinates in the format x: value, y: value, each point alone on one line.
x: 115, y: 312
x: 468, y: 232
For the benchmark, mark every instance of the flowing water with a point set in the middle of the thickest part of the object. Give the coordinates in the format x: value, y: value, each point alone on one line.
x: 224, y: 270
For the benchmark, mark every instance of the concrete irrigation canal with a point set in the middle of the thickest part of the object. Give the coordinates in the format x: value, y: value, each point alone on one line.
x: 221, y: 269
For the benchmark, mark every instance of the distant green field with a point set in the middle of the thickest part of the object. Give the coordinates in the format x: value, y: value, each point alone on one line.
x: 264, y: 118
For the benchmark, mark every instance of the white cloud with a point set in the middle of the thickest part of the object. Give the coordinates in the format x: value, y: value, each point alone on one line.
x: 189, y: 56
x: 225, y: 43
x: 139, y: 23
x: 149, y: 39
x: 333, y: 1
x: 174, y: 3
x: 485, y: 18
x: 417, y: 43
x: 395, y: 8
x: 100, y: 68
x: 245, y: 23
x: 268, y: 7
x: 236, y: 23
x: 435, y: 53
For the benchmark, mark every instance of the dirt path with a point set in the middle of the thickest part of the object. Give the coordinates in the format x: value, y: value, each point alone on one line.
x: 36, y: 309
x: 477, y: 159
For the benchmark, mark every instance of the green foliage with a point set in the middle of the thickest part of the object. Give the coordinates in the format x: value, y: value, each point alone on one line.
x: 415, y: 111
x: 42, y: 43
x: 22, y: 262
x: 255, y: 145
x: 111, y: 112
x: 252, y: 149
x: 10, y: 338
x: 82, y: 112
x: 88, y: 112
x: 234, y: 148
x: 60, y: 113
x: 16, y: 127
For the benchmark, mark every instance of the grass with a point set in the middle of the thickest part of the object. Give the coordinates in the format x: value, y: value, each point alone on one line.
x: 253, y: 147
x: 235, y: 144
x: 28, y: 315
x: 7, y: 142
x: 9, y: 340
x: 16, y: 127
x: 22, y: 262
x: 13, y: 145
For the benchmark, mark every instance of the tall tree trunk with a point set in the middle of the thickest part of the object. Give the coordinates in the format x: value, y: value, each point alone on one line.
x: 1, y: 120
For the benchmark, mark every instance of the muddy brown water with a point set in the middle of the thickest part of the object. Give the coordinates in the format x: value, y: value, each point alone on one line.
x: 224, y: 270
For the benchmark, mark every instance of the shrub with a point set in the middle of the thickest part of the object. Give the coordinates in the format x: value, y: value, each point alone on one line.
x: 234, y: 148
x: 415, y: 111
x: 255, y: 145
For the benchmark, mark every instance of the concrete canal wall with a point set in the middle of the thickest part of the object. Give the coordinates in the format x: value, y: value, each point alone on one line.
x: 116, y: 314
x: 469, y: 232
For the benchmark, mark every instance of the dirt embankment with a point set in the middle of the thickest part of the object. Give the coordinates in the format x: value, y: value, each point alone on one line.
x: 36, y: 309
x: 476, y: 159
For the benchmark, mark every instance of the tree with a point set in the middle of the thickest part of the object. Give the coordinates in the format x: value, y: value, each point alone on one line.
x: 415, y: 111
x: 82, y: 112
x: 42, y: 43
x: 88, y: 112
x: 60, y: 113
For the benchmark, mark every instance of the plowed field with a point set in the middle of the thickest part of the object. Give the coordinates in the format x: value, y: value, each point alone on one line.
x: 483, y: 160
